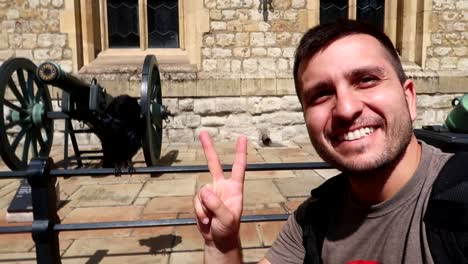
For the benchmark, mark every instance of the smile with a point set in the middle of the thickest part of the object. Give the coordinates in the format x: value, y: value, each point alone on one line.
x: 357, y: 134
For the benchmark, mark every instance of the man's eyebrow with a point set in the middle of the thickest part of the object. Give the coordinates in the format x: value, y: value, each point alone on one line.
x: 376, y: 70
x: 321, y: 85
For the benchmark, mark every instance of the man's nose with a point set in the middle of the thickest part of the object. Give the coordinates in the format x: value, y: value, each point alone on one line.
x: 348, y: 105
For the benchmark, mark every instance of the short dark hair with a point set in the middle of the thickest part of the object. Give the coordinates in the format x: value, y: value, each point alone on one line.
x: 321, y: 36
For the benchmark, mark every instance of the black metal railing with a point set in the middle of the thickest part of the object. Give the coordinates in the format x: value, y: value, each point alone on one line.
x: 46, y: 224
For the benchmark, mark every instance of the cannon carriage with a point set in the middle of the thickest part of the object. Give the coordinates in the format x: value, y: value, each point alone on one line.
x: 27, y: 116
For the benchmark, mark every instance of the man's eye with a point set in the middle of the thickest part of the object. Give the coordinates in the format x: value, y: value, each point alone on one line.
x: 321, y: 96
x: 367, y: 81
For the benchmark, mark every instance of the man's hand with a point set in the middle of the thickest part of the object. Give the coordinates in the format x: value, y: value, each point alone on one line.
x: 218, y: 206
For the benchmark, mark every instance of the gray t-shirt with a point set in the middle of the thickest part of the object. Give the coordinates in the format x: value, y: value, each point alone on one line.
x: 390, y: 232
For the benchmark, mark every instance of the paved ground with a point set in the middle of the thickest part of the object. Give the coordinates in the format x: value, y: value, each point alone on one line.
x: 166, y: 196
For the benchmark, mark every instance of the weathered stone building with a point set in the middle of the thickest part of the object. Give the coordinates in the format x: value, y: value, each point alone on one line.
x: 230, y: 71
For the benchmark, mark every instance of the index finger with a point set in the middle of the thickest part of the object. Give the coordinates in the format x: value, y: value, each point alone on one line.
x: 211, y: 157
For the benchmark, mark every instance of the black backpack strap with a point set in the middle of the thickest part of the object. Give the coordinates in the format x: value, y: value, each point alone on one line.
x: 446, y: 216
x: 314, y: 215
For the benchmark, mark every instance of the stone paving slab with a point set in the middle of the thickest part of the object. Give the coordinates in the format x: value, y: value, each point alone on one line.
x: 299, y: 186
x: 261, y: 192
x: 181, y: 187
x: 165, y: 196
x: 98, y: 195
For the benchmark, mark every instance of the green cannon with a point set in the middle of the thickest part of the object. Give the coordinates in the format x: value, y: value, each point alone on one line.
x: 27, y: 116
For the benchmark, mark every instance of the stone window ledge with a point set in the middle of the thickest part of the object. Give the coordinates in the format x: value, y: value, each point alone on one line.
x: 133, y: 64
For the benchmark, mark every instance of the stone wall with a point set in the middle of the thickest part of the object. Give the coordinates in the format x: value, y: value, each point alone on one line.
x: 244, y: 83
x: 31, y: 29
x: 448, y: 52
x: 241, y: 44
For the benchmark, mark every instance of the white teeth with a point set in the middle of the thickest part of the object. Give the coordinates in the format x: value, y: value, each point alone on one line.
x: 357, y: 134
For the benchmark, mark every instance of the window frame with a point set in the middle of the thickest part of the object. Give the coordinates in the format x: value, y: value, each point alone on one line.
x: 143, y: 28
x: 83, y: 21
x: 410, y: 34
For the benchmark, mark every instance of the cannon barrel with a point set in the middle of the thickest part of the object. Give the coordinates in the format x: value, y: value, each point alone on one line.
x: 52, y: 73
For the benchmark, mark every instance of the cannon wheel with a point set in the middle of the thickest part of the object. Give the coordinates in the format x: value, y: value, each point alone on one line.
x: 151, y: 107
x: 25, y: 130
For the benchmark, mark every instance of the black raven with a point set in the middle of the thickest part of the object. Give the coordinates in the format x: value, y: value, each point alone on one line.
x: 121, y: 132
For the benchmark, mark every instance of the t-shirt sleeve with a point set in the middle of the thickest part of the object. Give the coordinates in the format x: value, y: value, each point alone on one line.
x: 287, y: 247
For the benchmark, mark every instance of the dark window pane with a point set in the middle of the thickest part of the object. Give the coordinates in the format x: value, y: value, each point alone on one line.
x: 332, y: 10
x: 122, y: 20
x: 371, y: 11
x: 163, y: 23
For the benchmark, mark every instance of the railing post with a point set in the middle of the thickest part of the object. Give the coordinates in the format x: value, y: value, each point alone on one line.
x: 44, y: 202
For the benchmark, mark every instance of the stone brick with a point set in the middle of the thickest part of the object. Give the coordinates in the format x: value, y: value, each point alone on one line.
x: 216, y: 14
x: 442, y: 51
x: 213, y: 121
x: 206, y: 52
x: 270, y: 39
x: 186, y: 104
x: 221, y: 53
x: 13, y: 14
x: 29, y: 41
x: 217, y: 25
x: 45, y: 40
x: 209, y: 65
x: 15, y: 41
x: 270, y: 104
x: 45, y: 3
x: 236, y: 65
x: 290, y: 15
x: 260, y: 52
x: 297, y: 3
x: 224, y: 40
x: 241, y: 52
x: 283, y: 38
x: 274, y: 52
x: 462, y: 64
x: 181, y: 135
x: 289, y: 52
x: 228, y: 14
x: 250, y: 65
x: 238, y: 120
x: 282, y: 64
x: 234, y: 25
x: 57, y: 3
x: 33, y: 3
x: 447, y: 63
x: 210, y: 4
x: 257, y: 39
x: 242, y: 39
x: 95, y: 196
x: 241, y: 3
x: 230, y: 105
x: 267, y: 65
x: 209, y: 40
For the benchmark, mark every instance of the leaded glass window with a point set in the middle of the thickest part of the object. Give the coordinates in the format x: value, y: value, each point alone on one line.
x: 163, y: 24
x: 123, y: 27
x: 332, y: 10
x: 143, y: 23
x: 372, y: 11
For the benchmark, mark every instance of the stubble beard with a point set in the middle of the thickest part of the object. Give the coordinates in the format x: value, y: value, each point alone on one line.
x: 396, y: 143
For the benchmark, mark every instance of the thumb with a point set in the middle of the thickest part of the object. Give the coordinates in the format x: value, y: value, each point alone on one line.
x: 216, y: 206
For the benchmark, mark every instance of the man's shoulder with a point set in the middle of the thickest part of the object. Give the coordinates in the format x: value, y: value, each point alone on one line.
x: 321, y: 198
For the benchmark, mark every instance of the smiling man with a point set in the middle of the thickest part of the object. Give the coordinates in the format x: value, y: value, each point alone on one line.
x: 358, y: 108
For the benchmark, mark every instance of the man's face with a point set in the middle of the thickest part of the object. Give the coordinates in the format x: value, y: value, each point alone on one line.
x: 358, y: 114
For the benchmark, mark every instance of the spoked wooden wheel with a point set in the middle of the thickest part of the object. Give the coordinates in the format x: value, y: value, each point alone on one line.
x: 152, y: 110
x: 25, y: 130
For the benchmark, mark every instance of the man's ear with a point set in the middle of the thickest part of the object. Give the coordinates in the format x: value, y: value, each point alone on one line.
x: 410, y: 96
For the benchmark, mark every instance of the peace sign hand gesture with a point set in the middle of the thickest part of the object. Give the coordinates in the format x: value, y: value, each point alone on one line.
x: 218, y: 206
